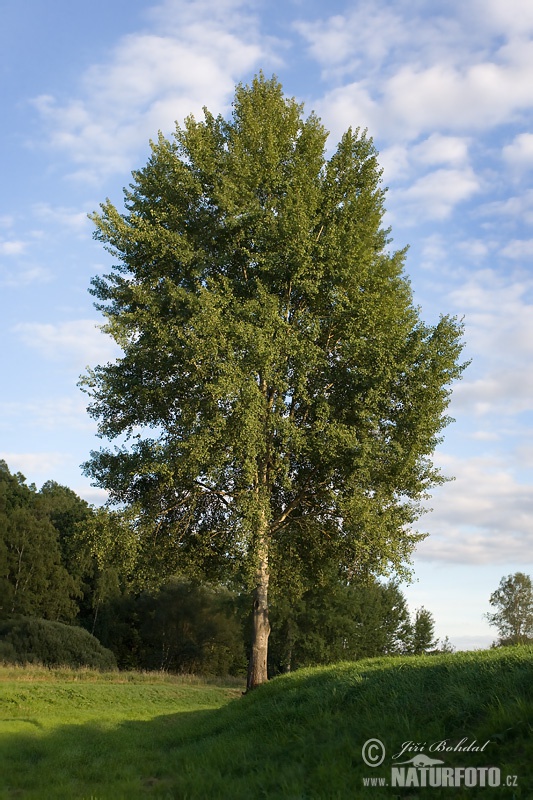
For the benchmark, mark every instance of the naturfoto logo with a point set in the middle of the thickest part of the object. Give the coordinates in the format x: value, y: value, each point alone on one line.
x: 422, y: 769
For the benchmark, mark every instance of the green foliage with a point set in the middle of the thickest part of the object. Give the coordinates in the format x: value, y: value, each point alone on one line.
x: 513, y: 601
x: 338, y: 621
x: 25, y: 640
x: 33, y: 577
x: 300, y: 736
x: 66, y: 512
x: 422, y: 633
x: 182, y: 628
x: 278, y: 394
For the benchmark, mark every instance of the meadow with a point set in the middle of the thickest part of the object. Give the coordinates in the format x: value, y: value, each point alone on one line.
x: 86, y: 735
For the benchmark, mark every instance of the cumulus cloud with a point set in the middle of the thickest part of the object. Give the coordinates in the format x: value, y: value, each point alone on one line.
x: 423, y: 72
x: 449, y: 98
x: 151, y: 79
x: 499, y: 332
x: 485, y: 516
x: 439, y: 149
x: 519, y: 154
x: 435, y: 195
x: 79, y: 342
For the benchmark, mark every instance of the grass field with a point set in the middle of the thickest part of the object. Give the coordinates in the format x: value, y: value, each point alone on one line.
x: 77, y: 735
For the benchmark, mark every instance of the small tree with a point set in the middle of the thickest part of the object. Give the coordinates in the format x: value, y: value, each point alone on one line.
x: 280, y: 394
x: 422, y: 633
x: 513, y: 601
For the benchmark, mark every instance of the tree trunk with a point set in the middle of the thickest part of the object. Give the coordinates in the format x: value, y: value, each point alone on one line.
x: 257, y: 667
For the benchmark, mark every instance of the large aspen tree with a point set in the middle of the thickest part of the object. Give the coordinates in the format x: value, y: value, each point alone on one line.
x: 278, y: 399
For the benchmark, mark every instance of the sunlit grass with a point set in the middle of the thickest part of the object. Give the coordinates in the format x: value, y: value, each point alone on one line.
x: 82, y: 734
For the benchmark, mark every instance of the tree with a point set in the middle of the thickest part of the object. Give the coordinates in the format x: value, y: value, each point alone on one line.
x: 422, y: 634
x: 278, y: 398
x: 33, y: 579
x: 513, y: 601
x: 339, y: 622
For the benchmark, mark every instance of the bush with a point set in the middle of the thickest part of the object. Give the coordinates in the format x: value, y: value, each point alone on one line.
x: 25, y: 640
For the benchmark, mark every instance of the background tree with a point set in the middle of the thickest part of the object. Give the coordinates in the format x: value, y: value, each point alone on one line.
x: 33, y: 578
x: 338, y: 622
x: 278, y: 394
x: 513, y: 601
x: 107, y: 554
x: 422, y: 633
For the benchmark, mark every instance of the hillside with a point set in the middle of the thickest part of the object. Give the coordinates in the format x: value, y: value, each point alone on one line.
x: 300, y: 736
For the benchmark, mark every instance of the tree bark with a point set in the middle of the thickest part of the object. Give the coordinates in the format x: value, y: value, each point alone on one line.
x: 257, y: 667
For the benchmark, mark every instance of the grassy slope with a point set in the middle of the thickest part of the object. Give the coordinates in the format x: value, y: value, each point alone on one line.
x: 298, y: 737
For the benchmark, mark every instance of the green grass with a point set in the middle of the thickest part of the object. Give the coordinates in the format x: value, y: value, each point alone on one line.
x: 84, y: 735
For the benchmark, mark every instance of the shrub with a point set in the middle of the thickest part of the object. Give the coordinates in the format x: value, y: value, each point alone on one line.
x: 24, y: 640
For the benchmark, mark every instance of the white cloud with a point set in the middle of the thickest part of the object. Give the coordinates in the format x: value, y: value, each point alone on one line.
x: 93, y: 495
x: 485, y: 436
x: 35, y: 463
x: 348, y: 106
x: 71, y: 219
x: 12, y: 248
x: 501, y: 390
x: 519, y: 154
x: 499, y: 334
x: 518, y: 248
x: 151, y: 79
x: 450, y: 98
x: 423, y: 72
x: 394, y: 161
x: 366, y: 35
x: 58, y: 413
x: 26, y: 275
x: 435, y: 195
x: 438, y: 149
x: 485, y: 516
x: 476, y: 249
x: 80, y: 342
x: 518, y: 208
x: 512, y: 17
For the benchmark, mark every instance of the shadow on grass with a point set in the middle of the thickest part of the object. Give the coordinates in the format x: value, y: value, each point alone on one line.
x: 160, y: 758
x: 298, y: 738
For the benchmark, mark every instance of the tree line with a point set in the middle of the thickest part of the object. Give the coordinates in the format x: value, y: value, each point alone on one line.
x: 63, y: 560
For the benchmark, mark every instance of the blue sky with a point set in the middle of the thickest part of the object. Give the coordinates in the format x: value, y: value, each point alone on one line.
x: 445, y: 90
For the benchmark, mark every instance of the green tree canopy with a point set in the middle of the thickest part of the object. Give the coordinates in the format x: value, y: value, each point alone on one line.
x: 336, y: 621
x: 422, y: 633
x: 278, y: 398
x: 33, y: 578
x: 513, y: 617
